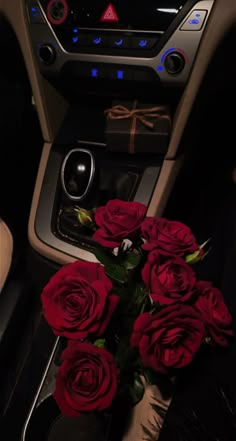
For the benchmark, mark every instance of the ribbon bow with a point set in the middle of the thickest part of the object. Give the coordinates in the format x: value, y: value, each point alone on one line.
x: 143, y: 115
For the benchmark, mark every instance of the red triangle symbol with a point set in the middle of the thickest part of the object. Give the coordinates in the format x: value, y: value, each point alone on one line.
x: 109, y: 15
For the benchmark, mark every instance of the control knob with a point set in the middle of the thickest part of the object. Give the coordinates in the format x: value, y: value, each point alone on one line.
x: 47, y: 54
x: 57, y: 11
x: 174, y: 63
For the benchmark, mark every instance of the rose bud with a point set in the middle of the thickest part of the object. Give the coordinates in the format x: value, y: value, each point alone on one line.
x: 85, y: 217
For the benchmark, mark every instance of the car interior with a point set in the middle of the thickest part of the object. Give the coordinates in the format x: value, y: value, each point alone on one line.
x: 65, y: 64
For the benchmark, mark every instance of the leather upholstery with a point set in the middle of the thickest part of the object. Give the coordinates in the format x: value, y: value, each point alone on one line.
x: 6, y: 250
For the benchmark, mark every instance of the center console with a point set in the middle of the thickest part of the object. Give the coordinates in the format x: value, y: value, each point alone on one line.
x: 94, y: 54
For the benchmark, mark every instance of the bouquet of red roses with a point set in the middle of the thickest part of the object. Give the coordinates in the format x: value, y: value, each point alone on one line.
x: 137, y: 314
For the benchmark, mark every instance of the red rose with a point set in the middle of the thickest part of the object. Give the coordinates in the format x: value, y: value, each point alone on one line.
x: 86, y: 379
x: 169, y: 338
x: 210, y: 303
x: 169, y: 279
x: 78, y: 301
x: 170, y: 236
x: 118, y: 220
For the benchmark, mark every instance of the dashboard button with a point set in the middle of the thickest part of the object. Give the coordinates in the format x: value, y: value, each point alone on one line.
x: 121, y: 73
x: 143, y: 42
x: 83, y: 70
x: 97, y: 72
x: 80, y: 39
x: 95, y: 40
x: 194, y: 21
x: 92, y: 71
x: 119, y: 41
x: 34, y: 13
x: 87, y: 39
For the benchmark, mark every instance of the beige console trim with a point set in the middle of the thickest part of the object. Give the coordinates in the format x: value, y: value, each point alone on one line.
x: 38, y: 245
x: 166, y: 180
x: 6, y: 250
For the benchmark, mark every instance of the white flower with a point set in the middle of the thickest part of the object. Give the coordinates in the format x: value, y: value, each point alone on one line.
x: 115, y: 251
x: 126, y: 244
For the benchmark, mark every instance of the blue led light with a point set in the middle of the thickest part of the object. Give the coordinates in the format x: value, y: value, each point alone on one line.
x: 75, y: 39
x: 35, y: 12
x: 75, y: 31
x: 119, y: 42
x: 97, y: 40
x: 143, y: 43
x: 195, y: 21
x: 172, y: 49
x: 160, y: 68
x: 120, y: 74
x: 94, y: 73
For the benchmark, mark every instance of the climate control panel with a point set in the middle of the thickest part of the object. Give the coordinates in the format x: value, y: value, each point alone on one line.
x: 104, y: 40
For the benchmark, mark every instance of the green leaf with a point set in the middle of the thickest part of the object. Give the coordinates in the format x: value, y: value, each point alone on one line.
x: 136, y: 390
x: 194, y: 257
x: 104, y: 257
x: 141, y: 298
x: 100, y: 343
x: 198, y: 255
x: 132, y: 260
x: 116, y: 272
x: 140, y: 292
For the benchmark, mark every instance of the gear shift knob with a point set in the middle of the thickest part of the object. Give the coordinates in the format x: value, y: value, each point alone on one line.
x: 77, y: 174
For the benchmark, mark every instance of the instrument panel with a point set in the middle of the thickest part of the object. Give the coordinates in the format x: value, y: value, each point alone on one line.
x: 123, y: 41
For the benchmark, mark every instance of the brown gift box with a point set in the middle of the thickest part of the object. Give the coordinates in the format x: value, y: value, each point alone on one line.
x: 135, y: 127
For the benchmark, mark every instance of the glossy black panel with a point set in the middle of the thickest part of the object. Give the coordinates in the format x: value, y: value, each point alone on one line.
x: 131, y: 14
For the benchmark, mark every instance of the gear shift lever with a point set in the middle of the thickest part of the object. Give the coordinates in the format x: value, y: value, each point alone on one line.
x: 77, y: 174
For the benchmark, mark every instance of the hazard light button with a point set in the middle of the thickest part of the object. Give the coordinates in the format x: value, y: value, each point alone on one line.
x: 109, y: 15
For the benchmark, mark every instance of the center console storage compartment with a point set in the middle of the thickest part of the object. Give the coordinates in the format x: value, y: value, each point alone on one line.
x: 84, y: 172
x: 115, y: 176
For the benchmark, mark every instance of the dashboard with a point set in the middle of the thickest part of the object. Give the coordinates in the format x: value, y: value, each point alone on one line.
x: 119, y: 40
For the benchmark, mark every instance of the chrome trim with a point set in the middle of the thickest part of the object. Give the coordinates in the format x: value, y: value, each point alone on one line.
x: 45, y: 210
x: 92, y: 172
x: 39, y: 390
